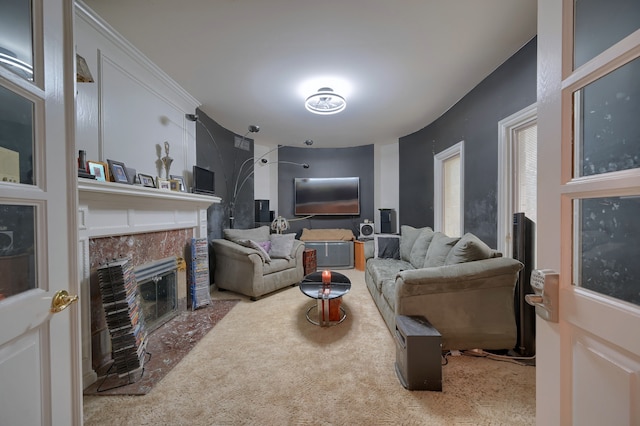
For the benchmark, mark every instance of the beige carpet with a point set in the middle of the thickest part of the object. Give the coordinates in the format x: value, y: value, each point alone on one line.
x: 264, y: 364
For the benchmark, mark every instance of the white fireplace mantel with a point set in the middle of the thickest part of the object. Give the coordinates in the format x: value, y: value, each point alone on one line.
x: 111, y: 209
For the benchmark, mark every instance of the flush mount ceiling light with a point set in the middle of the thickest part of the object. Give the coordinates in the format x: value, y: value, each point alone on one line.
x: 325, y: 102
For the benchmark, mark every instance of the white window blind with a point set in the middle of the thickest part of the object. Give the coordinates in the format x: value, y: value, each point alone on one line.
x: 526, y: 140
x: 451, y: 192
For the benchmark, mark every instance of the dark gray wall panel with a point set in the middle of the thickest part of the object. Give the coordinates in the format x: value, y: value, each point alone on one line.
x: 326, y: 162
x: 474, y: 119
x: 224, y: 160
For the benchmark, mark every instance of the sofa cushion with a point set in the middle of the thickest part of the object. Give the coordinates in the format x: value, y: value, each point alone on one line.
x: 438, y: 250
x: 259, y: 247
x: 468, y: 249
x: 409, y: 235
x: 387, y: 246
x: 386, y: 269
x: 281, y: 245
x: 420, y: 247
x: 277, y: 265
x: 256, y: 234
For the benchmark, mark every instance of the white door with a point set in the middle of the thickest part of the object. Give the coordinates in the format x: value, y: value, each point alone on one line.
x: 588, y: 364
x: 39, y: 352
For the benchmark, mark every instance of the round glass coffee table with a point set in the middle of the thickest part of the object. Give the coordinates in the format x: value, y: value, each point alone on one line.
x: 328, y: 297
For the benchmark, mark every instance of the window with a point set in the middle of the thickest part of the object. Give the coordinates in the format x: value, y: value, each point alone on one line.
x: 517, y: 173
x: 449, y: 191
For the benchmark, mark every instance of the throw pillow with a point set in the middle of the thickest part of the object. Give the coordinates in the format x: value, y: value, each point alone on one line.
x: 281, y: 245
x: 468, y: 249
x: 438, y: 250
x: 258, y: 247
x: 409, y: 236
x: 266, y: 245
x: 387, y: 246
x: 420, y: 247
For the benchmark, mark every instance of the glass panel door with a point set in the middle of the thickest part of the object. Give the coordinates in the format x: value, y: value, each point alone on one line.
x: 17, y: 249
x: 599, y: 25
x: 16, y: 37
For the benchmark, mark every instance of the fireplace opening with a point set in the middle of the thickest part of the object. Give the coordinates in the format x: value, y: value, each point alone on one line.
x: 158, y: 290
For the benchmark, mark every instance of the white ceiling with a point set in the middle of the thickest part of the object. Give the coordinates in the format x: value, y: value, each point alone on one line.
x: 400, y: 64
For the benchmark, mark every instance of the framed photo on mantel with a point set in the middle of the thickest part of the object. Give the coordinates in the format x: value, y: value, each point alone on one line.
x: 99, y: 169
x: 146, y: 180
x: 118, y: 171
x: 163, y: 184
x: 180, y: 179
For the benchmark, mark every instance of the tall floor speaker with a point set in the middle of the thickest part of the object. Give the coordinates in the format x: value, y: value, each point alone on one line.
x: 523, y: 249
x: 262, y: 211
x: 387, y: 221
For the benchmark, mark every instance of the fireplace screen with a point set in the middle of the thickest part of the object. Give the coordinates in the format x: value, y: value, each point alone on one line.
x: 157, y: 286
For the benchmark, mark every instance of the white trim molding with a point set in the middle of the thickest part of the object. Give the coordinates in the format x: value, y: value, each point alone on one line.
x: 506, y: 129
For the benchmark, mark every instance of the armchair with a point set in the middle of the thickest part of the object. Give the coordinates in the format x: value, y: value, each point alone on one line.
x: 245, y: 264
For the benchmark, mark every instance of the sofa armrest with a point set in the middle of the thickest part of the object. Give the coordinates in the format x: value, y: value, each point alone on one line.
x: 297, y: 250
x: 369, y: 249
x: 471, y: 304
x: 487, y: 273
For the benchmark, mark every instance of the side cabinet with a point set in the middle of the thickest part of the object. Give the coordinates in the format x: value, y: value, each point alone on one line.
x: 332, y: 254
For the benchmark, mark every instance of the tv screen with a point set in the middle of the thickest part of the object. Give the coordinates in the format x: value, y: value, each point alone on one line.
x: 203, y: 181
x: 327, y: 196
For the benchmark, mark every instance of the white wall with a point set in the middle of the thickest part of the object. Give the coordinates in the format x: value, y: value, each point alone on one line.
x: 387, y: 180
x: 133, y: 107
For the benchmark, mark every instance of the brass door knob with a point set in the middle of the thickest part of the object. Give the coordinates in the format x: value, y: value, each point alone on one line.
x: 61, y: 300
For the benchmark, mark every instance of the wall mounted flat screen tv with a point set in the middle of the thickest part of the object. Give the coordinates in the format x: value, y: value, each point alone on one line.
x: 203, y: 181
x: 327, y: 196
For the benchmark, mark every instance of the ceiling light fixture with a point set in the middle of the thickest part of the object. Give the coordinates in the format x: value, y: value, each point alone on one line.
x: 325, y: 102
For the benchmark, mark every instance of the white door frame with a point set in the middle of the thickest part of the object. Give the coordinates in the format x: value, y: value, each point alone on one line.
x: 506, y: 172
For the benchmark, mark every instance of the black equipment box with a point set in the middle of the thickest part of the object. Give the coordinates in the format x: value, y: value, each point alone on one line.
x: 418, y: 354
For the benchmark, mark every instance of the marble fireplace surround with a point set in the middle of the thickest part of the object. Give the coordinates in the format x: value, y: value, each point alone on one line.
x: 118, y: 220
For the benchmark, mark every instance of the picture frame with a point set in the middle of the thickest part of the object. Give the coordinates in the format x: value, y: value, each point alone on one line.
x: 146, y: 180
x: 118, y: 171
x: 163, y: 184
x: 99, y: 169
x: 174, y: 185
x: 183, y: 187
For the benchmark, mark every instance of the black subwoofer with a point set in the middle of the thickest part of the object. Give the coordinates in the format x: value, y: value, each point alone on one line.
x: 418, y: 354
x: 262, y: 211
x: 387, y: 221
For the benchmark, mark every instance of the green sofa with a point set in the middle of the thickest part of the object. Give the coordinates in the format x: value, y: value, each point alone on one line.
x: 464, y: 288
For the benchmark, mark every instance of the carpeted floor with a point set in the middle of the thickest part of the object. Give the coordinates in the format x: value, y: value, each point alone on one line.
x: 265, y: 364
x: 166, y: 347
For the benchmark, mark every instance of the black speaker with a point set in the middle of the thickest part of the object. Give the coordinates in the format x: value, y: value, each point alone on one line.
x: 262, y: 211
x: 387, y: 221
x: 418, y: 354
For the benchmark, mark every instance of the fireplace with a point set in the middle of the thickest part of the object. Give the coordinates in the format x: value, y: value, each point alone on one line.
x: 158, y: 290
x: 147, y: 224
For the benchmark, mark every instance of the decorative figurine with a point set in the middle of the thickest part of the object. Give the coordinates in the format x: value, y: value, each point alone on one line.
x: 166, y: 160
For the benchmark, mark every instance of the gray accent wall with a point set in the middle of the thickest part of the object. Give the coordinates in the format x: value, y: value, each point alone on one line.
x: 326, y: 162
x: 224, y: 159
x: 474, y: 120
